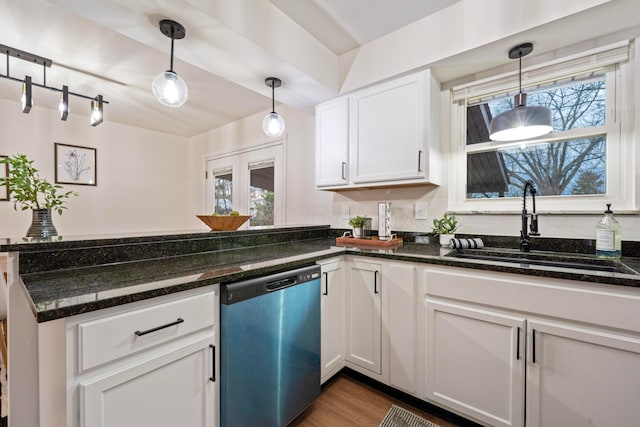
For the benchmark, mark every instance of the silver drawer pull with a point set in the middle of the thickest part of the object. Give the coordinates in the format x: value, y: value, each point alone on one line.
x: 157, y: 328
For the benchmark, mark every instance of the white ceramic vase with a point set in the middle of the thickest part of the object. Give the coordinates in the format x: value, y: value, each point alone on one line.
x: 445, y: 239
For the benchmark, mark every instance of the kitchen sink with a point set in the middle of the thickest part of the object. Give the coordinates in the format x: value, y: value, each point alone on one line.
x: 544, y: 259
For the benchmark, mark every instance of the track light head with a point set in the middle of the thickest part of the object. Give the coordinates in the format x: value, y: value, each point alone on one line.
x: 27, y: 98
x: 97, y: 113
x: 63, y: 106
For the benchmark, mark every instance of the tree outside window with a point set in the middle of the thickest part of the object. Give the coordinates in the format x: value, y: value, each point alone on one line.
x: 571, y: 166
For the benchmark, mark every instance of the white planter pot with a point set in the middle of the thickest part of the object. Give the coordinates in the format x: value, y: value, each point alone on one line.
x: 357, y: 232
x: 445, y: 239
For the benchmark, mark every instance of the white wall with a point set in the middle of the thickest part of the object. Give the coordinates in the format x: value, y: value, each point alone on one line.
x: 305, y: 205
x: 141, y: 175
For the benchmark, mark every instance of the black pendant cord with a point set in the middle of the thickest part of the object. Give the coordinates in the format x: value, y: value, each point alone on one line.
x: 273, y: 97
x: 520, y: 72
x: 172, y: 39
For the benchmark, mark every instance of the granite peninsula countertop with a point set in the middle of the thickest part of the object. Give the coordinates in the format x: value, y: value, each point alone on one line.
x: 69, y: 291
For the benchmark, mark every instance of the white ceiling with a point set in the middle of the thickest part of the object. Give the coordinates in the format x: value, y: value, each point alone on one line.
x: 343, y: 25
x: 114, y: 48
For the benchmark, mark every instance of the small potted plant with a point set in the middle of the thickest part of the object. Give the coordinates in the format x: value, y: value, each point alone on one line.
x: 444, y: 228
x: 357, y: 222
x: 28, y: 191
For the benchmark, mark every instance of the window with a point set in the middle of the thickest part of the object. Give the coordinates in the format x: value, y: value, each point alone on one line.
x: 223, y: 191
x: 250, y: 182
x: 261, y: 192
x: 575, y: 168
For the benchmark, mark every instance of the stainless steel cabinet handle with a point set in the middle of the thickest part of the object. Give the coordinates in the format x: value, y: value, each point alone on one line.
x: 375, y: 282
x: 157, y: 328
x: 326, y: 283
x: 344, y: 170
x: 419, y: 160
x: 213, y: 375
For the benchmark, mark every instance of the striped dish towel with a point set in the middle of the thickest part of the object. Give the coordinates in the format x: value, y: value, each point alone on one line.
x: 476, y: 243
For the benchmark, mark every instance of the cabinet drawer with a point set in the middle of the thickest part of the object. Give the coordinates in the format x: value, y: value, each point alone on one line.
x: 109, y: 338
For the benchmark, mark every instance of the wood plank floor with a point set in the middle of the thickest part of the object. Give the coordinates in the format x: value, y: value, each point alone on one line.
x: 348, y: 402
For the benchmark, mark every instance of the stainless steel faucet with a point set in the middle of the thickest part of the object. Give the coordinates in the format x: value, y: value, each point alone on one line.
x: 525, y: 242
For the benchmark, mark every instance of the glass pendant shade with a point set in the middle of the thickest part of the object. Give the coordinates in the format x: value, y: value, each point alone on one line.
x: 170, y: 89
x: 521, y: 123
x: 273, y: 124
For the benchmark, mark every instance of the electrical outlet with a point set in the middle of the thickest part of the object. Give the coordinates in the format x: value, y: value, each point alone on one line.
x: 346, y: 211
x: 420, y: 210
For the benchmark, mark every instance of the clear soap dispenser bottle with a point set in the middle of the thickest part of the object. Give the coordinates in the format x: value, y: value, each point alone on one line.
x: 608, y: 238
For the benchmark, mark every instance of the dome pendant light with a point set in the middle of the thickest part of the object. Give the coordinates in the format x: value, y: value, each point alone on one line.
x: 273, y: 123
x: 168, y: 87
x: 521, y: 122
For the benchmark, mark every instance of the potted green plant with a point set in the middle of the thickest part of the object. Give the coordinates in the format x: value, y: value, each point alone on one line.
x: 357, y: 222
x: 444, y: 228
x: 28, y: 191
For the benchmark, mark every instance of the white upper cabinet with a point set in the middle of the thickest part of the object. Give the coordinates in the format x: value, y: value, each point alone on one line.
x: 332, y: 143
x: 391, y: 131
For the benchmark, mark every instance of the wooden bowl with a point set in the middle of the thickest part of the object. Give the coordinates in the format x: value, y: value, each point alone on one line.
x: 223, y: 222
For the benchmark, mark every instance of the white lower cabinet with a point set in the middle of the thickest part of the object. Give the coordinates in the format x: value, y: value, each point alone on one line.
x: 382, y: 307
x: 401, y: 305
x: 170, y: 389
x: 364, y: 316
x: 158, y: 364
x: 578, y: 376
x: 332, y: 313
x: 475, y: 362
x: 576, y: 343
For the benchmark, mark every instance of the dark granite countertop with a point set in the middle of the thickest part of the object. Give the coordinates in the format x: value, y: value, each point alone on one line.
x: 70, y: 291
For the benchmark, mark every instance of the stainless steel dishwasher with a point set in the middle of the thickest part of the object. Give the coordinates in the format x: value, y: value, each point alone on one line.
x: 270, y: 348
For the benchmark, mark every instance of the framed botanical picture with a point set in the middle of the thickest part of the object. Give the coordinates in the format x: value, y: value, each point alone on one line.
x: 4, y: 171
x: 75, y: 165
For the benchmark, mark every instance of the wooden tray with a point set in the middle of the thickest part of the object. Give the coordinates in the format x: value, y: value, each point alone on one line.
x: 373, y: 242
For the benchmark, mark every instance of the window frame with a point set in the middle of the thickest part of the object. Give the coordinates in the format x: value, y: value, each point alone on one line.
x: 238, y: 161
x: 620, y: 190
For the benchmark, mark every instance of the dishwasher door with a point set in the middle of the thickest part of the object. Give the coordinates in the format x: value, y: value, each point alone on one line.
x: 270, y: 348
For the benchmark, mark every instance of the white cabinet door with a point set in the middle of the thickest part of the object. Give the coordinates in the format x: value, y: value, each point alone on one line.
x: 332, y: 143
x: 364, y: 318
x: 391, y: 128
x: 400, y: 304
x: 475, y: 362
x: 168, y: 390
x: 579, y: 377
x: 332, y: 313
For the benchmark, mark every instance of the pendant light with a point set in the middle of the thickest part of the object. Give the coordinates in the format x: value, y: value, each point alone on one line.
x: 273, y: 123
x: 168, y: 87
x: 521, y: 122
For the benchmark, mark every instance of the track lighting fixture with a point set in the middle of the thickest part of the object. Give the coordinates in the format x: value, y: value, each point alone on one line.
x: 63, y: 107
x: 96, y: 111
x: 521, y: 122
x: 26, y: 99
x: 273, y: 123
x: 168, y: 87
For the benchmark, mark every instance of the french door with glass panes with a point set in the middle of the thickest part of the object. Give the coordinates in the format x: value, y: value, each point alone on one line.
x: 250, y: 182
